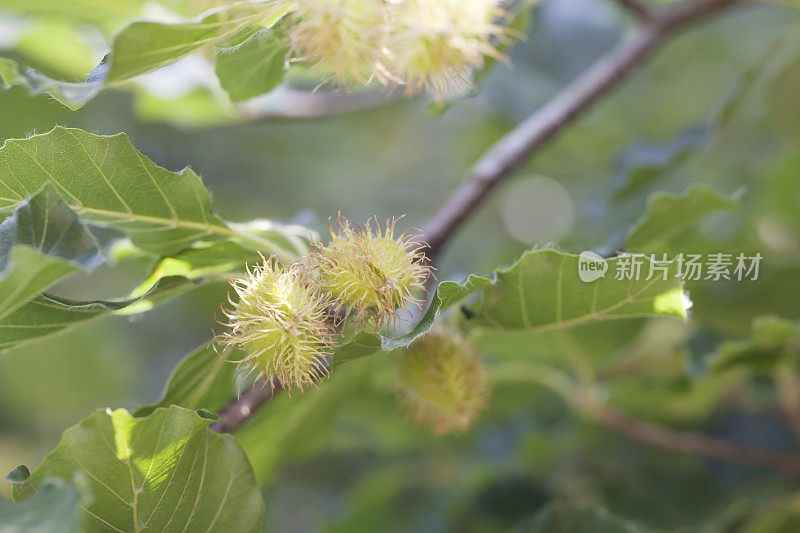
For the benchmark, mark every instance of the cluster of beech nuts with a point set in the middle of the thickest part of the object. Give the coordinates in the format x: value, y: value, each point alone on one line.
x: 418, y: 44
x: 284, y: 320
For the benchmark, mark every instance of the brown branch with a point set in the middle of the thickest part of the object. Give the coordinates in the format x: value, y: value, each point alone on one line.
x: 512, y: 150
x: 518, y: 145
x: 690, y: 442
x: 636, y: 8
x: 239, y: 410
x: 789, y: 389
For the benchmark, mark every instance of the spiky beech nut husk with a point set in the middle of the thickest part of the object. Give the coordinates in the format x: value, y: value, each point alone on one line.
x: 442, y: 383
x: 370, y: 272
x: 342, y: 39
x: 435, y: 44
x: 280, y: 323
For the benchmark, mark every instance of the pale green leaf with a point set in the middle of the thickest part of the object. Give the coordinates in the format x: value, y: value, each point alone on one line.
x: 105, y: 180
x: 47, y: 314
x: 145, y: 46
x: 40, y: 244
x: 254, y: 67
x: 670, y: 218
x: 106, y: 14
x: 53, y: 509
x: 542, y: 292
x: 72, y: 95
x: 166, y: 472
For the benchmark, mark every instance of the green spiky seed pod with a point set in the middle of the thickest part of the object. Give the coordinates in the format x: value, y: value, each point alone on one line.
x: 280, y: 323
x: 370, y: 272
x: 418, y: 44
x: 435, y: 45
x: 442, y: 383
x: 342, y: 39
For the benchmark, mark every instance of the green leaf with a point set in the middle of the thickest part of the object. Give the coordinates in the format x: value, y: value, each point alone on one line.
x: 563, y: 518
x: 782, y: 100
x: 254, y: 67
x: 771, y: 341
x: 202, y: 379
x: 670, y: 218
x: 40, y: 244
x: 543, y: 292
x: 72, y: 95
x: 145, y: 46
x: 106, y: 14
x: 166, y: 472
x: 174, y: 275
x: 105, y: 180
x: 48, y: 314
x: 54, y: 509
x: 644, y: 163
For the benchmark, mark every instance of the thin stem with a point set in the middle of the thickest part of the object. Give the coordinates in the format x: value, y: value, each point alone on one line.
x: 588, y: 405
x: 689, y: 442
x: 789, y: 389
x: 639, y: 10
x: 239, y: 410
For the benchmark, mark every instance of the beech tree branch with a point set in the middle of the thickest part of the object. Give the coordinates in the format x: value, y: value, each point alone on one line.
x: 512, y: 150
x: 239, y: 410
x: 636, y: 8
x: 691, y: 442
x: 516, y: 147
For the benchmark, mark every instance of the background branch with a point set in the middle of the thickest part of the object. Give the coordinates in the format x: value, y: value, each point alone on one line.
x: 636, y: 8
x: 512, y: 150
x: 690, y: 442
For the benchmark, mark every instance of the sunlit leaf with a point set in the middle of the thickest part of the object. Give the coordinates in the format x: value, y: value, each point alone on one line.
x: 165, y: 472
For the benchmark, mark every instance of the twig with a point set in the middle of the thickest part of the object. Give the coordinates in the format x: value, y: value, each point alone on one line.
x: 519, y: 144
x: 239, y: 410
x: 639, y: 10
x: 690, y: 442
x: 789, y: 389
x: 511, y: 151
